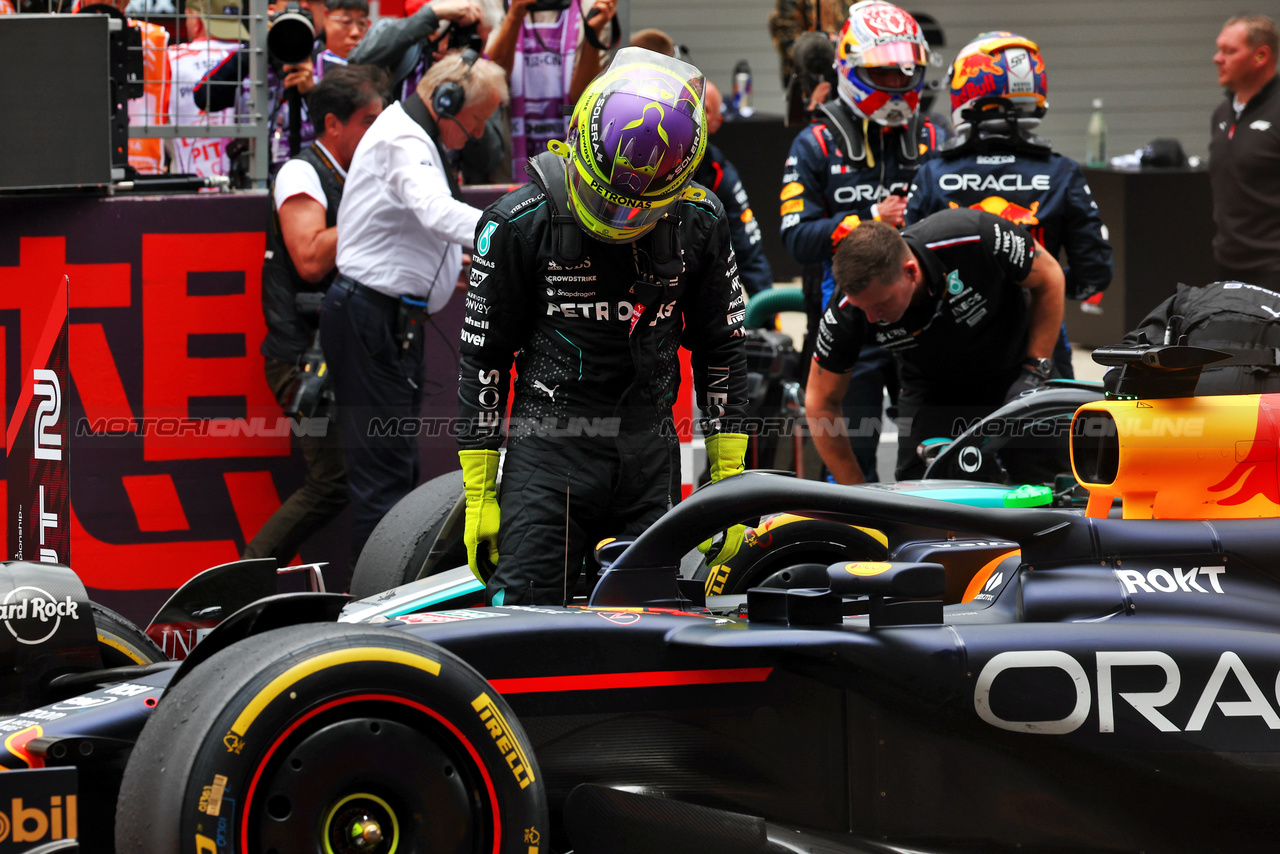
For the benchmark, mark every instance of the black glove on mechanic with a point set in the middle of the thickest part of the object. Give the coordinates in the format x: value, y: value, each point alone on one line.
x: 1034, y: 374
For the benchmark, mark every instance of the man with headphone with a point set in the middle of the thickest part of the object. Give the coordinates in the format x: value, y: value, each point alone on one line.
x: 402, y: 230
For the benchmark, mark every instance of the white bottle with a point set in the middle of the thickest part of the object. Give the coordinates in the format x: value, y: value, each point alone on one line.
x: 1096, y: 153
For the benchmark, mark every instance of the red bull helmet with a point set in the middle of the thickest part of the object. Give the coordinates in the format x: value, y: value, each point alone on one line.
x: 881, y: 57
x: 637, y: 136
x: 999, y: 65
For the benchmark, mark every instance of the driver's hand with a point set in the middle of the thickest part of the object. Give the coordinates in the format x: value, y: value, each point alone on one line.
x: 721, y: 549
x: 462, y: 12
x: 819, y: 96
x: 890, y: 210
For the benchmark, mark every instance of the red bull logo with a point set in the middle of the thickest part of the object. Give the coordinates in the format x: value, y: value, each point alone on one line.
x: 885, y: 20
x: 1011, y: 211
x: 1255, y: 473
x: 973, y: 65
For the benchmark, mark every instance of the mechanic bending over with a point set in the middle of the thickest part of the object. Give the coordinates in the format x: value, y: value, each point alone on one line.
x: 300, y: 263
x: 947, y: 298
x: 401, y: 232
x: 855, y: 162
x: 590, y: 273
x: 999, y: 94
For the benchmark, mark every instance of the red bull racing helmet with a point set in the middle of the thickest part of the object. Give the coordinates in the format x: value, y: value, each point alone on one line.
x: 999, y: 65
x: 881, y: 58
x: 637, y: 135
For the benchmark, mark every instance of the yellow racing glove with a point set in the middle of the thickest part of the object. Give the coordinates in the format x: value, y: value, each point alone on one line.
x: 480, y: 484
x: 726, y: 455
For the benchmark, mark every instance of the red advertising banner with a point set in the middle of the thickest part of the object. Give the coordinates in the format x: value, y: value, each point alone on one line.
x: 181, y: 452
x: 36, y: 447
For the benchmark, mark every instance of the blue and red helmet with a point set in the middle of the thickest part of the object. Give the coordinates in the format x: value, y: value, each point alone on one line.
x: 881, y: 57
x: 998, y: 65
x: 637, y: 136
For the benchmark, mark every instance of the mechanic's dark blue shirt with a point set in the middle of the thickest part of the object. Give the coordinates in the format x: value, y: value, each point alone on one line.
x: 719, y: 176
x: 1046, y: 195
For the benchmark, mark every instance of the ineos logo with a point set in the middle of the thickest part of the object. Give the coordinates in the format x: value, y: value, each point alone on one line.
x: 34, y: 617
x: 970, y: 459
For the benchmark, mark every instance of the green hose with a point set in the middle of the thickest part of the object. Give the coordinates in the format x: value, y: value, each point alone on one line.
x: 765, y: 305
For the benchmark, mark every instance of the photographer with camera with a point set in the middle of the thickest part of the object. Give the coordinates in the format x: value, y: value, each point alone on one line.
x: 407, y: 47
x: 551, y: 51
x: 305, y: 38
x: 402, y: 230
x: 300, y: 264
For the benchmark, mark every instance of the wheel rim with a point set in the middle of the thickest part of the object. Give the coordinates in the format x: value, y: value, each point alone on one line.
x: 361, y: 777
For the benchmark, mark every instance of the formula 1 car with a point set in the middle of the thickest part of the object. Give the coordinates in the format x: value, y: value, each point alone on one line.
x: 1111, y: 686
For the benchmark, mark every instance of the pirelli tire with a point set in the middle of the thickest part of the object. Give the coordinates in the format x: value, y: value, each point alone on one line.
x: 332, y: 738
x: 122, y: 643
x: 400, y: 547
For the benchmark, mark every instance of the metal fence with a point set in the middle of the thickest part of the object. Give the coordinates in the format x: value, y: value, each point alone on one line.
x: 167, y: 59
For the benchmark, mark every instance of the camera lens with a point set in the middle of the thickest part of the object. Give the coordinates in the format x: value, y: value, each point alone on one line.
x: 291, y: 35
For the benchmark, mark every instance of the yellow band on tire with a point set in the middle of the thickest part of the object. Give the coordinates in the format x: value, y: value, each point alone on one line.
x: 335, y: 658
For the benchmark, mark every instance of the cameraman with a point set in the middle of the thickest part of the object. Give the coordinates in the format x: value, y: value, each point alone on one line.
x: 332, y: 29
x: 407, y: 47
x: 302, y: 241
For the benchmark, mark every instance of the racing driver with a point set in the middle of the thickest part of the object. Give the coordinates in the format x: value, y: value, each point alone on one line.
x: 999, y: 94
x: 854, y: 163
x: 592, y: 276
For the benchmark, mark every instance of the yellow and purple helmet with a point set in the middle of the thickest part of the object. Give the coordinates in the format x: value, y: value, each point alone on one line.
x: 998, y: 65
x: 637, y: 136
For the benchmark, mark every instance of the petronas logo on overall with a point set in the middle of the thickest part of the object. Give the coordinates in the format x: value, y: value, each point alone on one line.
x: 954, y: 285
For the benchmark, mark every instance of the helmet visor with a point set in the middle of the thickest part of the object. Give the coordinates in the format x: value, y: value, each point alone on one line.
x: 613, y: 217
x: 891, y: 79
x: 895, y: 53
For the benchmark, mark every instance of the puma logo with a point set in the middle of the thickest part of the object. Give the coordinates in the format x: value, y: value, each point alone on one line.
x: 1272, y: 311
x: 551, y: 392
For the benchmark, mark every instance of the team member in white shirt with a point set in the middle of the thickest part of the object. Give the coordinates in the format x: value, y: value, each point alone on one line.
x: 212, y: 39
x: 402, y: 229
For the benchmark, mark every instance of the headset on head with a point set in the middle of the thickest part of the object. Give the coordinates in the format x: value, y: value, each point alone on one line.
x: 448, y: 98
